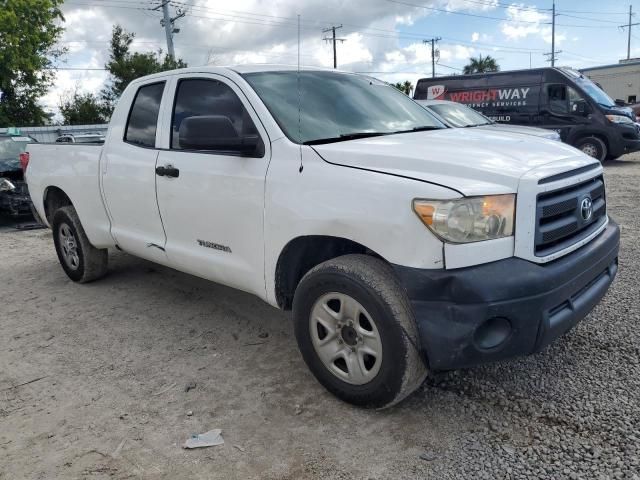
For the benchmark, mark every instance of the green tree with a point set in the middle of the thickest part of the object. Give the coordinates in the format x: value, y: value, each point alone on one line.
x: 29, y: 30
x: 405, y: 87
x: 481, y: 65
x: 82, y: 109
x: 124, y: 66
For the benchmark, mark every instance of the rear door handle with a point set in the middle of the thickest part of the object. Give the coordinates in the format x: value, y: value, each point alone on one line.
x: 167, y: 171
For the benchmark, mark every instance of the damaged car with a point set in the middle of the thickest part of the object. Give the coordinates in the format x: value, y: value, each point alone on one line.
x: 14, y: 195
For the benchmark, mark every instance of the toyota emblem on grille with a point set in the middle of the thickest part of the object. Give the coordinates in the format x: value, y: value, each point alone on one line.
x: 586, y: 208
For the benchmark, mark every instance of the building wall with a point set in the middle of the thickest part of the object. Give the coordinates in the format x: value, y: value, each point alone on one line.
x: 51, y: 132
x: 620, y: 81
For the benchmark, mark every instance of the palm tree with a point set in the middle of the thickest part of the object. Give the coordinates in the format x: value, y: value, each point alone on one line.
x: 406, y: 87
x: 481, y: 65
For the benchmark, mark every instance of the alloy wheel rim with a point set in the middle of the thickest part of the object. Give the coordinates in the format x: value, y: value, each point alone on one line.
x: 345, y: 338
x: 69, y: 247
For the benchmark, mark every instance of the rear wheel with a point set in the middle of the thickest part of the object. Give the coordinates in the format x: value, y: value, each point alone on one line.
x: 80, y: 260
x: 593, y: 146
x: 356, y: 331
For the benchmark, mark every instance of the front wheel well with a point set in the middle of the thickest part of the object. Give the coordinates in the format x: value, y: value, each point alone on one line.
x: 54, y: 199
x: 302, y: 254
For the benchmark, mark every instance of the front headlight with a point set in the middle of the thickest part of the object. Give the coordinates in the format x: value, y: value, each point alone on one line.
x: 618, y: 119
x: 6, y: 185
x: 470, y: 219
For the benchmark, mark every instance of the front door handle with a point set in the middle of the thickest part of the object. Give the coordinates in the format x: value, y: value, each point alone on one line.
x: 168, y: 171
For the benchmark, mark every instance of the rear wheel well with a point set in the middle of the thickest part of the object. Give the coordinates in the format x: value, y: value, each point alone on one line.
x: 54, y: 199
x: 302, y: 254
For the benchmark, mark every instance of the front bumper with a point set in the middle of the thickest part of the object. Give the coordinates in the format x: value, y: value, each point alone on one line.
x: 626, y: 140
x: 507, y: 308
x: 16, y: 202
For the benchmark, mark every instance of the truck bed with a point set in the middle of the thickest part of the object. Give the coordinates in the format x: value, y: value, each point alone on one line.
x: 73, y: 168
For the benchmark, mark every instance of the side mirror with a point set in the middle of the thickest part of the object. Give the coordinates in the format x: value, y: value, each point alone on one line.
x: 581, y: 108
x: 620, y: 103
x: 215, y: 132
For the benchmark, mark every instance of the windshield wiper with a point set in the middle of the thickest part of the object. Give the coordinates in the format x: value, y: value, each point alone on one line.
x: 345, y: 136
x: 423, y: 128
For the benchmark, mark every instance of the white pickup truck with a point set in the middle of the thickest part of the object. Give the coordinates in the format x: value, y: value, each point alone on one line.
x: 400, y: 246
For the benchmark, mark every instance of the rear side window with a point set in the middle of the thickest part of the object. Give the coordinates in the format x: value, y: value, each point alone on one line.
x: 201, y: 97
x: 143, y: 117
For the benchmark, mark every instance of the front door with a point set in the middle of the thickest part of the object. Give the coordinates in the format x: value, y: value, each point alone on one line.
x: 211, y: 199
x: 566, y: 109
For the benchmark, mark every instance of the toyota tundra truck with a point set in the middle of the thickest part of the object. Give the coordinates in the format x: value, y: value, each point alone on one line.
x: 400, y: 246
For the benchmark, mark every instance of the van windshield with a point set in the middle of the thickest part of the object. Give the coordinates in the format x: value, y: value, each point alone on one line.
x: 596, y: 93
x: 331, y: 106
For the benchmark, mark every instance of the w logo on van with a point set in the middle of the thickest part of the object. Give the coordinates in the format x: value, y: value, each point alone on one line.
x: 436, y: 92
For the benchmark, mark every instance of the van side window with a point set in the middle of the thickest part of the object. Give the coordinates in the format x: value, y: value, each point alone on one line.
x: 203, y: 97
x: 565, y: 100
x: 143, y: 117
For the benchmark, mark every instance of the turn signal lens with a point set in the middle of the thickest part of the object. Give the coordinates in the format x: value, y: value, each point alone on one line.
x: 469, y: 219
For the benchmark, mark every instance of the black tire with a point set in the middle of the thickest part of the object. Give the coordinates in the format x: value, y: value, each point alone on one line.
x: 592, y: 146
x: 373, y: 284
x: 91, y: 262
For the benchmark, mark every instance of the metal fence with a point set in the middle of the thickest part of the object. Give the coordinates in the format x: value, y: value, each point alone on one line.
x: 51, y: 132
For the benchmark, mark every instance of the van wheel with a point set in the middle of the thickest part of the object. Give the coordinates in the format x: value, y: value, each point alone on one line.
x: 592, y: 146
x: 356, y: 332
x: 81, y: 261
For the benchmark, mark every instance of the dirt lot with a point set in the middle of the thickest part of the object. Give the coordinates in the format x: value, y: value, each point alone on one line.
x: 110, y: 362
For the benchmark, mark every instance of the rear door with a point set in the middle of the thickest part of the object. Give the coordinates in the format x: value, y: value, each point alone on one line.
x: 129, y: 179
x: 212, y: 200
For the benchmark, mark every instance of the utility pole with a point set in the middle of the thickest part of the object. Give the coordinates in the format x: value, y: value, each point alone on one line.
x: 551, y: 57
x: 553, y: 35
x: 333, y: 40
x: 433, y: 42
x: 168, y: 23
x: 628, y: 26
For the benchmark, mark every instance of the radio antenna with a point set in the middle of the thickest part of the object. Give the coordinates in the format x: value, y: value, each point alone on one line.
x: 299, y: 101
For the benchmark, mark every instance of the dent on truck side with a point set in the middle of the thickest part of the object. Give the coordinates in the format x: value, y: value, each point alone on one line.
x: 350, y: 209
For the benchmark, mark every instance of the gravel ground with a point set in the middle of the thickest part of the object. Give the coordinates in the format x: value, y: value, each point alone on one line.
x: 123, y: 370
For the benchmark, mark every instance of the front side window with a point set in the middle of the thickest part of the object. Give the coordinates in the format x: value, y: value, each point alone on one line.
x: 565, y: 100
x: 143, y: 117
x: 313, y: 106
x: 224, y: 117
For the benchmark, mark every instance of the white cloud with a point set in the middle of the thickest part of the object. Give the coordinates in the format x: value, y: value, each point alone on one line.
x: 523, y: 22
x: 255, y: 31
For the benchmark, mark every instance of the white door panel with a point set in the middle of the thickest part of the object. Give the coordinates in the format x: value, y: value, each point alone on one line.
x: 213, y: 211
x: 213, y: 215
x: 129, y: 178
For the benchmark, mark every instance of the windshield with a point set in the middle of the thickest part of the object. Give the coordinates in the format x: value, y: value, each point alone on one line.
x: 10, y: 150
x: 458, y: 115
x: 595, y: 92
x: 334, y: 104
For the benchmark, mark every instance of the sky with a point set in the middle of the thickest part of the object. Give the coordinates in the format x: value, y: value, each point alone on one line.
x: 383, y: 38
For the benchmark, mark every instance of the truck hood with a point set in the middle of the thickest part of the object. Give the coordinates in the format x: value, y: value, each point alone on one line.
x: 536, y: 132
x: 471, y: 161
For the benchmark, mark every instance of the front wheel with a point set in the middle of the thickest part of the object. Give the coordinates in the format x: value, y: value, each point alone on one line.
x: 593, y: 146
x: 356, y: 331
x: 81, y: 261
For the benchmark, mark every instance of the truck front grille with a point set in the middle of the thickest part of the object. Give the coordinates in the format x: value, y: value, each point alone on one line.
x: 562, y: 215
